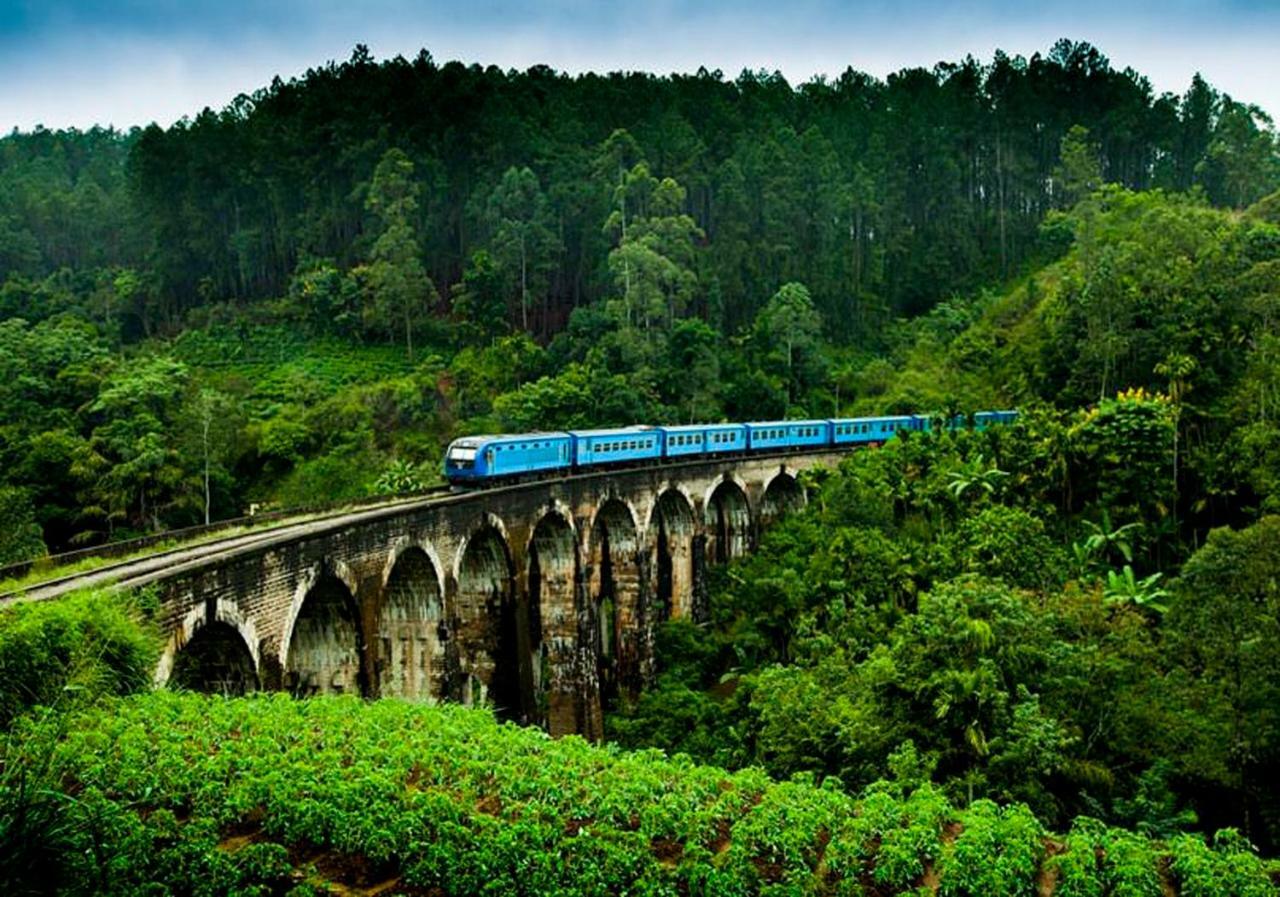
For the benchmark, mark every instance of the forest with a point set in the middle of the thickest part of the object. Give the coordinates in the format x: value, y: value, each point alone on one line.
x: 301, y: 297
x: 1041, y: 659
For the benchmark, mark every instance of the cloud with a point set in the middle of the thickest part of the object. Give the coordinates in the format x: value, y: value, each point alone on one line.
x: 132, y: 62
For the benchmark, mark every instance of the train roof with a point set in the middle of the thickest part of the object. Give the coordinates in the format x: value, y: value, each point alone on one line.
x: 681, y: 428
x: 786, y: 423
x: 613, y: 431
x: 508, y: 437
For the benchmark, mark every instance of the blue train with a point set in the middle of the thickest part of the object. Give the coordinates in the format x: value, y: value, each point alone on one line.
x: 480, y: 460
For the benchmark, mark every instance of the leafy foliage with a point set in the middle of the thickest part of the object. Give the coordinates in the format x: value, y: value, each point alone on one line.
x: 188, y: 793
x: 64, y: 652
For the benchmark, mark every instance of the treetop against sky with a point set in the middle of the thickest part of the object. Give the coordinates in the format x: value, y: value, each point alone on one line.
x: 84, y: 62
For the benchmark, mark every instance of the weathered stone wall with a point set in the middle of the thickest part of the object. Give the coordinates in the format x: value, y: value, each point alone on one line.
x: 532, y: 598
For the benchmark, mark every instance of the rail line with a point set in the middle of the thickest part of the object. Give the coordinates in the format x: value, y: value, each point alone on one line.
x: 153, y: 567
x: 118, y: 572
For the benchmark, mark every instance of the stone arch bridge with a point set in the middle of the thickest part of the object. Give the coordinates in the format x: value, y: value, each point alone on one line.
x: 540, y: 599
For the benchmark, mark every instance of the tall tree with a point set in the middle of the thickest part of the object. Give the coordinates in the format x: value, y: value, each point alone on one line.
x: 397, y: 281
x: 790, y: 328
x: 525, y: 243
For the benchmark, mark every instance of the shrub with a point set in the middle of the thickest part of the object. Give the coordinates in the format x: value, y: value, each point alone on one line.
x: 81, y: 646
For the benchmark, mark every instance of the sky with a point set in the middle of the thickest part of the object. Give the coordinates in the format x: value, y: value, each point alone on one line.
x: 131, y: 62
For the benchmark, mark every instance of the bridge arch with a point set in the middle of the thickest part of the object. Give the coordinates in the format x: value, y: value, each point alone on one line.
x: 321, y: 652
x: 782, y: 495
x: 217, y: 661
x: 672, y: 525
x: 726, y: 513
x: 411, y: 630
x: 553, y: 579
x: 491, y: 621
x: 218, y: 655
x: 613, y: 548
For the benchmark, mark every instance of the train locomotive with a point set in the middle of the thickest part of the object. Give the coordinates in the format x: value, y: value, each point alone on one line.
x: 473, y: 461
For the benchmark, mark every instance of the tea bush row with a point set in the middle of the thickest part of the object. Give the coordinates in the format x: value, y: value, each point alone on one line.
x: 167, y: 793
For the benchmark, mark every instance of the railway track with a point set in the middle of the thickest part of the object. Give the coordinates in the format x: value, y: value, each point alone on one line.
x: 141, y: 571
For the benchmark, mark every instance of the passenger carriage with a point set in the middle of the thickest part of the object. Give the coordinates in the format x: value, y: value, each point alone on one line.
x: 696, y: 440
x: 984, y: 419
x: 616, y: 446
x: 872, y: 430
x: 787, y: 434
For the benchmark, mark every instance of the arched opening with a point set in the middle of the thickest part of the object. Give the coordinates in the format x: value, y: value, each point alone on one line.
x: 492, y: 627
x: 782, y: 496
x: 411, y: 662
x: 216, y: 661
x: 673, y: 525
x: 615, y: 590
x: 324, y: 650
x: 728, y: 520
x: 554, y: 625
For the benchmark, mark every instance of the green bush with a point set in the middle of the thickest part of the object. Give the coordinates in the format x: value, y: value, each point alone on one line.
x: 80, y: 646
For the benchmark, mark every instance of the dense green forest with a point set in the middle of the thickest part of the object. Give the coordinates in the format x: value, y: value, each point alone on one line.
x: 964, y: 644
x: 301, y: 297
x: 1080, y: 612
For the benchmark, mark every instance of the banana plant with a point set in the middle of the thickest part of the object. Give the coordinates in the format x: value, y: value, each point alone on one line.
x: 976, y: 477
x: 1104, y: 538
x: 1125, y: 588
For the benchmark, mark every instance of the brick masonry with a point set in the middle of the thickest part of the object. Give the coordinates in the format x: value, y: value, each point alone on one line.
x: 532, y: 598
